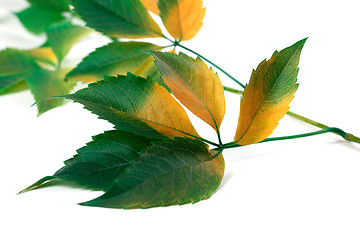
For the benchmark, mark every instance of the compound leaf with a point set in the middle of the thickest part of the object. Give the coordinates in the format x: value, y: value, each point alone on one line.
x: 194, y: 84
x: 62, y: 37
x: 171, y: 172
x: 137, y: 105
x: 182, y: 18
x: 98, y: 164
x: 267, y: 97
x: 120, y: 19
x: 46, y: 83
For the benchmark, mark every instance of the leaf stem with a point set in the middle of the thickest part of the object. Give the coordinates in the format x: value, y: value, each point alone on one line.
x: 337, y: 131
x: 207, y: 60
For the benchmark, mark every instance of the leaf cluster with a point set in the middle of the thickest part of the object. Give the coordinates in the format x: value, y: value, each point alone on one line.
x: 154, y: 156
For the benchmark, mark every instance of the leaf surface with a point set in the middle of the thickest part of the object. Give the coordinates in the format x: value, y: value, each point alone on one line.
x: 120, y: 19
x: 62, y: 37
x: 43, y: 55
x: 137, y: 105
x: 267, y: 97
x: 15, y: 65
x: 171, y: 172
x: 46, y: 83
x: 36, y: 19
x: 182, y: 18
x: 115, y: 59
x: 53, y: 5
x: 194, y: 84
x: 98, y: 164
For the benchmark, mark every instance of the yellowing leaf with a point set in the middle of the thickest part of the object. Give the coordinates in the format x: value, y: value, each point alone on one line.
x: 43, y: 54
x: 267, y: 97
x: 136, y: 105
x: 182, y: 18
x: 151, y: 5
x: 194, y: 84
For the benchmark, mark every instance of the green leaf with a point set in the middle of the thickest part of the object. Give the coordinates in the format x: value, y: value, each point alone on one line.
x: 120, y: 19
x: 53, y: 5
x: 62, y: 37
x: 36, y: 19
x: 171, y: 172
x: 117, y: 58
x: 15, y: 65
x: 267, y: 97
x: 45, y: 84
x: 98, y: 164
x: 136, y: 105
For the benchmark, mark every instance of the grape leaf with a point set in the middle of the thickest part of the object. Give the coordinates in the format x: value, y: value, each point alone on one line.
x: 98, y: 164
x: 267, y: 97
x: 15, y: 65
x: 137, y: 105
x: 171, y: 172
x: 117, y: 58
x: 62, y: 37
x: 36, y: 19
x: 53, y: 5
x: 151, y: 5
x: 46, y: 83
x: 120, y: 19
x: 194, y: 84
x: 182, y: 18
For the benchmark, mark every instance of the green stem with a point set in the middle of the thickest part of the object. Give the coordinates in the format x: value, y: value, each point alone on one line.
x: 207, y: 60
x: 327, y: 130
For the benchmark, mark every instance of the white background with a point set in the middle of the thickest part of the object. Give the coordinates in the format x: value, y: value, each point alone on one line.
x: 297, y: 189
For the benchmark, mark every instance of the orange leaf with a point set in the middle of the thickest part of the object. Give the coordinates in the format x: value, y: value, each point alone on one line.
x: 267, y: 97
x: 182, y: 18
x: 194, y: 84
x: 151, y: 5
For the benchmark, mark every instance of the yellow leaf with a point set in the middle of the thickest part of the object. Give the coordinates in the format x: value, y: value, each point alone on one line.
x: 182, y: 18
x: 267, y: 97
x: 151, y: 5
x: 194, y: 84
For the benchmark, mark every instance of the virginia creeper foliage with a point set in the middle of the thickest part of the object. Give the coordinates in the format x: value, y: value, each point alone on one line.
x: 154, y: 155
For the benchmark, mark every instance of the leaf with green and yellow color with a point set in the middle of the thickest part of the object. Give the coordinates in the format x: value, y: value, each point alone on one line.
x: 136, y: 105
x: 119, y: 19
x: 98, y: 164
x: 267, y: 97
x: 15, y: 66
x: 63, y: 36
x: 171, y: 172
x: 116, y: 58
x: 43, y: 55
x: 182, y: 18
x: 151, y: 5
x: 194, y: 84
x: 46, y: 83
